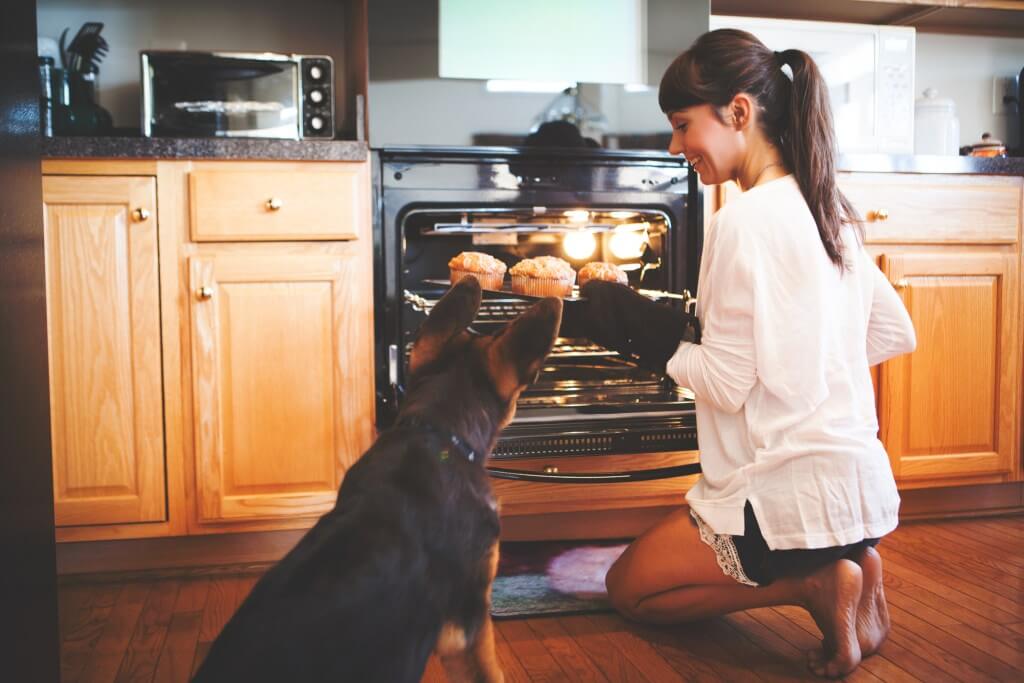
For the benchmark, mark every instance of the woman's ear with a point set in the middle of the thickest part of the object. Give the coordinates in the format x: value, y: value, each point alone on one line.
x: 742, y: 109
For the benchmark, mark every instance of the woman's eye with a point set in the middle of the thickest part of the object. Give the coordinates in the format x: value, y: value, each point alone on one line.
x: 681, y: 127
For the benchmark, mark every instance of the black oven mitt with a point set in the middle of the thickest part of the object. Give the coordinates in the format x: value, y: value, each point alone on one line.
x: 622, y: 320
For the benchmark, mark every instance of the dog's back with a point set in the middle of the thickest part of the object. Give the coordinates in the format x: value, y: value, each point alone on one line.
x: 388, y: 565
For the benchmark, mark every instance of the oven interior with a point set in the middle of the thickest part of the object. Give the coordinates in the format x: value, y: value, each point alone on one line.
x: 587, y: 400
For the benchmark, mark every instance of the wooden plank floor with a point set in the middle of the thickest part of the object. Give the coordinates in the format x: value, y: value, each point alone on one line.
x: 955, y: 590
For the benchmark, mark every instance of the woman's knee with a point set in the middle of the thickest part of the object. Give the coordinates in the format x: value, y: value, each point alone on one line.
x: 622, y: 594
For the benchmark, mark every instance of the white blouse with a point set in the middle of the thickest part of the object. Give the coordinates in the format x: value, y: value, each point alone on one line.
x: 785, y: 406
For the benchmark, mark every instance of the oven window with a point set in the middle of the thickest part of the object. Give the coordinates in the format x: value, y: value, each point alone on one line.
x: 207, y: 95
x: 632, y: 239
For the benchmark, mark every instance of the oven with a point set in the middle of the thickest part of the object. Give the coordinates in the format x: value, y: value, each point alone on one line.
x: 640, y: 210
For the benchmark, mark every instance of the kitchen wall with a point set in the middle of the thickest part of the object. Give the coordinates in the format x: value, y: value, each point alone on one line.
x: 409, y: 105
x: 962, y: 68
x: 309, y: 26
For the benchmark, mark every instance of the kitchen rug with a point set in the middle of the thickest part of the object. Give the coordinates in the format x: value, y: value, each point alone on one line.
x: 552, y: 577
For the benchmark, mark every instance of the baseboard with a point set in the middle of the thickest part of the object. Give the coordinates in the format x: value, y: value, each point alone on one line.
x: 255, y: 552
x: 177, y: 556
x: 981, y: 500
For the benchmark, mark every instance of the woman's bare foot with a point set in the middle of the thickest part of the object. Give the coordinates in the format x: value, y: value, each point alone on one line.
x: 873, y: 611
x: 832, y: 597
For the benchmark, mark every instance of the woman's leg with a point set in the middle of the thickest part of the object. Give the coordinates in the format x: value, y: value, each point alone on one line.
x: 669, y: 575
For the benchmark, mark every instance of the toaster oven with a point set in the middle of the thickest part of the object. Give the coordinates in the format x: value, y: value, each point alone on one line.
x: 639, y: 210
x: 237, y: 94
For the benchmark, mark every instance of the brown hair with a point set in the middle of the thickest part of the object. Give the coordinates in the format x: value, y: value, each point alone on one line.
x: 794, y: 114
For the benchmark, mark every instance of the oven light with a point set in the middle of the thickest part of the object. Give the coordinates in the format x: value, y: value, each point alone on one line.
x: 579, y: 244
x: 627, y: 245
x: 577, y: 215
x: 622, y: 215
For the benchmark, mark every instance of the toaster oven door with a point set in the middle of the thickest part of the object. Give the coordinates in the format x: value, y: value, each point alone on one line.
x: 215, y: 95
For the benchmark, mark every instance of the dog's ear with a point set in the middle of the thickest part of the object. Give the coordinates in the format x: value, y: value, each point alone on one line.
x: 515, y: 358
x: 450, y: 315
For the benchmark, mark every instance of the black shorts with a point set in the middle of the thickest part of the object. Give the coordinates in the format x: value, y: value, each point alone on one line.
x: 764, y: 566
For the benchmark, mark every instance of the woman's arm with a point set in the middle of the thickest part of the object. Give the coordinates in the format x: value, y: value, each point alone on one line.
x: 890, y: 330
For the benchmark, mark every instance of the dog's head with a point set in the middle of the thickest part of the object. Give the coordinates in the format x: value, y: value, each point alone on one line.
x: 468, y: 372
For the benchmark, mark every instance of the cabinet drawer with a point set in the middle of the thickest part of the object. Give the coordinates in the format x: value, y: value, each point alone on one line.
x: 229, y: 205
x: 943, y: 209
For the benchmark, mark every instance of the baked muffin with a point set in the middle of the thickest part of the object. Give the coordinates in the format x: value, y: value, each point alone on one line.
x: 489, y: 271
x: 602, y: 270
x: 543, y: 276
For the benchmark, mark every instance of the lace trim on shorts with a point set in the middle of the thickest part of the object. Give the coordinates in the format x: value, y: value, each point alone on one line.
x: 725, y: 551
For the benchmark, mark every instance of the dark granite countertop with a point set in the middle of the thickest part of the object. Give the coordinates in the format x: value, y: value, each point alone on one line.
x: 350, y: 150
x: 926, y: 163
x: 203, y: 148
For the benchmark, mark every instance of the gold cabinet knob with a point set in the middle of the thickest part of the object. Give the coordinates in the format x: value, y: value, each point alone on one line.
x: 205, y: 292
x: 902, y: 283
x: 880, y: 215
x: 274, y: 204
x: 140, y: 214
x: 550, y: 469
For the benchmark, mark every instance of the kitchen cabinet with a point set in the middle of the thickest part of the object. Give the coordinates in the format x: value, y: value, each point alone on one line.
x: 277, y: 416
x: 970, y: 17
x: 949, y: 410
x: 209, y: 374
x: 103, y: 314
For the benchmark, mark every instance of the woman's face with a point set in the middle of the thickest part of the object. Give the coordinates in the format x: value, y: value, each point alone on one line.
x: 712, y: 147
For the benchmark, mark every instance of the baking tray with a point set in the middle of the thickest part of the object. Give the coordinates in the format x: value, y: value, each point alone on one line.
x: 506, y: 289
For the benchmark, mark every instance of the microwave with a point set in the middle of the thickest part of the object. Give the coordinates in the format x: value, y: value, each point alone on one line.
x: 869, y: 71
x: 237, y: 94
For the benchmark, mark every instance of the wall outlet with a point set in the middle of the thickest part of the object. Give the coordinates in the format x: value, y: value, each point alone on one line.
x: 1004, y: 95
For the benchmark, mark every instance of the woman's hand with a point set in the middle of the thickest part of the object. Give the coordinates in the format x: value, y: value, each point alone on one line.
x: 622, y: 320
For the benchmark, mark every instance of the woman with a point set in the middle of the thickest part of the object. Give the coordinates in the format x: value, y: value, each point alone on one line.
x: 796, y: 487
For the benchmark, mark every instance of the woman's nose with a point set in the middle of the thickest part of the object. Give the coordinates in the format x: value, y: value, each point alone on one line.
x: 675, y: 143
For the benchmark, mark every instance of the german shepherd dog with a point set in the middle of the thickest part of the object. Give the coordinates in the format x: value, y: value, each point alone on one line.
x: 403, y: 564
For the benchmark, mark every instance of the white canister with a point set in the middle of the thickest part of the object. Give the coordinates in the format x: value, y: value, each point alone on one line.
x: 936, y: 128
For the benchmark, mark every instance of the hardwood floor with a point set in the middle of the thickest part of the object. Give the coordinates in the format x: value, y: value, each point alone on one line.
x: 955, y: 590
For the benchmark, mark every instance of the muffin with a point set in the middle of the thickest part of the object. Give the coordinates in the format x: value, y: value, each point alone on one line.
x: 602, y: 270
x: 543, y: 276
x: 489, y: 271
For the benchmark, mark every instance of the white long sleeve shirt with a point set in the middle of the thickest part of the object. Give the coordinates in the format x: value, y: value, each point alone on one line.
x: 785, y: 406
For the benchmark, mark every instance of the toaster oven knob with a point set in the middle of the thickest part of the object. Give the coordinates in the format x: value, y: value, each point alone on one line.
x: 316, y: 73
x: 316, y: 123
x: 316, y: 96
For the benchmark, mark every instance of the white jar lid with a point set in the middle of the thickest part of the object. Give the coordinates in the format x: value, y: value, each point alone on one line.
x: 933, y: 103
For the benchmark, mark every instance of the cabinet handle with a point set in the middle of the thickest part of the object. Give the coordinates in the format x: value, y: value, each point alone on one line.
x: 879, y: 215
x: 550, y: 469
x: 140, y: 214
x: 274, y: 204
x: 205, y: 292
x: 901, y: 284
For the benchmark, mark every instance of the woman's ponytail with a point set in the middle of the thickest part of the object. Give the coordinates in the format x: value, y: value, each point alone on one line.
x: 809, y: 149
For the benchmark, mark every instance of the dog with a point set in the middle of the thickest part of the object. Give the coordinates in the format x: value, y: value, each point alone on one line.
x: 403, y: 564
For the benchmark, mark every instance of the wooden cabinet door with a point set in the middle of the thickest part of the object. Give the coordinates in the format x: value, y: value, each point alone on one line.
x: 948, y: 410
x: 274, y: 427
x: 103, y: 308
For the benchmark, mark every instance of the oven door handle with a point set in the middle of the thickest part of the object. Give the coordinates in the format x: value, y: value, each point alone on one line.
x: 596, y: 477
